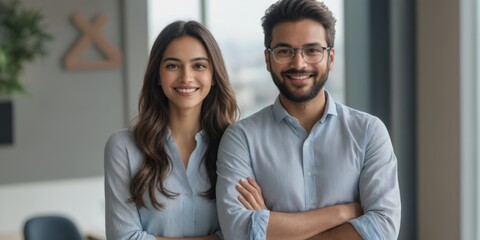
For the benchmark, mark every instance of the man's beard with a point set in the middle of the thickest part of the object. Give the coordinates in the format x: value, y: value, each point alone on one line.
x: 318, y: 84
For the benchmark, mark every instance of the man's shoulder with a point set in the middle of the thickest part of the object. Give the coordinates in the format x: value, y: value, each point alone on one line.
x: 357, y: 118
x: 257, y: 119
x: 360, y: 125
x: 350, y: 113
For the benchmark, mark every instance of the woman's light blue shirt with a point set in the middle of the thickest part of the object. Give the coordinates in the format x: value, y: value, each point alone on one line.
x: 187, y: 215
x: 346, y: 157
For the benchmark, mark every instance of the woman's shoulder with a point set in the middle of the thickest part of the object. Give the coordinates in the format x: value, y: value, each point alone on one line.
x: 120, y: 149
x: 121, y: 137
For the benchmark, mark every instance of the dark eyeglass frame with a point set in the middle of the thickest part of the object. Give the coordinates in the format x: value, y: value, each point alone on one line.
x: 294, y: 51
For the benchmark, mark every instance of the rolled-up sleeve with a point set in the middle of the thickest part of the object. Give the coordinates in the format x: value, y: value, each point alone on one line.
x: 122, y: 218
x: 378, y: 187
x: 233, y: 164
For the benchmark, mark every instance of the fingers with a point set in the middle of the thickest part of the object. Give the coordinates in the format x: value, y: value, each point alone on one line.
x: 245, y: 203
x: 250, y: 187
x: 252, y: 193
x: 247, y: 195
x: 255, y: 185
x: 257, y: 194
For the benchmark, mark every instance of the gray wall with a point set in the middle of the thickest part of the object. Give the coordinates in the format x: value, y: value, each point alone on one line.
x: 62, y: 123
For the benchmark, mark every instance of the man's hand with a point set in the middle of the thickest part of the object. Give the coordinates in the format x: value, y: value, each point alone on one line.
x: 251, y: 194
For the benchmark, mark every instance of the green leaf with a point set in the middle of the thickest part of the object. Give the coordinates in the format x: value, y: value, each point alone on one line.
x: 22, y: 39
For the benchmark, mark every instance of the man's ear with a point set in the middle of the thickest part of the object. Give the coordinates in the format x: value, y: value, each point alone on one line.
x: 331, y: 61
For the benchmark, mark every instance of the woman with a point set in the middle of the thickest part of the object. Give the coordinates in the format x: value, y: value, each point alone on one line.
x: 160, y: 175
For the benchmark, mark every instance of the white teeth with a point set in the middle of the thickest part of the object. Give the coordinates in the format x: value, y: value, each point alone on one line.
x: 186, y: 90
x: 301, y: 77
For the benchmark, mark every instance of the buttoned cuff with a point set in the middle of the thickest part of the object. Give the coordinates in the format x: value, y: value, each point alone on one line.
x: 367, y: 227
x: 259, y: 223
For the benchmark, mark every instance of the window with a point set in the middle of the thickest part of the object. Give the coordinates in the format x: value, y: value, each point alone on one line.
x: 161, y: 13
x: 470, y: 116
x: 241, y: 41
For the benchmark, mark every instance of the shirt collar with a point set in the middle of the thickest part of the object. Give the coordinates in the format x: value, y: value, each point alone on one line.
x: 331, y: 108
x: 198, y: 136
x: 280, y: 112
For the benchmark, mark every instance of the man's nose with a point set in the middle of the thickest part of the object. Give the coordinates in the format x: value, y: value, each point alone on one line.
x: 298, y: 62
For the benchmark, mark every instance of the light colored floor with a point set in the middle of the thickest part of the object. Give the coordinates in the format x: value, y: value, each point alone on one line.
x: 11, y: 236
x: 82, y: 200
x: 19, y: 236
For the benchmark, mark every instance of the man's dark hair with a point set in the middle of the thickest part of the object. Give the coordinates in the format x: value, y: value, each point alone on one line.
x: 296, y: 10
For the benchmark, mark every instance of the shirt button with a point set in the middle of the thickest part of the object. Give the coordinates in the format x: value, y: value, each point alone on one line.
x: 309, y: 173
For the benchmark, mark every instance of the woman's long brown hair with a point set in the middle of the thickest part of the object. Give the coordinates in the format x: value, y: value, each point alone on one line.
x: 219, y: 109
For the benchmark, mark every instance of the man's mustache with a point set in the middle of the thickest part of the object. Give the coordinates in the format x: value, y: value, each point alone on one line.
x: 297, y: 71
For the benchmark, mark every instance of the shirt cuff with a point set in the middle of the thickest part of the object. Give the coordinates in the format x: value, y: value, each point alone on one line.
x: 259, y: 223
x: 367, y: 227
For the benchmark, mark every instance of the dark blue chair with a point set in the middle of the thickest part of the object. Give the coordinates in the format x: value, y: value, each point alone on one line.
x: 50, y: 228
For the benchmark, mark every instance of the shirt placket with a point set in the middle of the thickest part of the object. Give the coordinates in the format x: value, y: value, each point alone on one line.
x: 309, y: 174
x: 186, y: 192
x: 190, y: 194
x: 188, y: 214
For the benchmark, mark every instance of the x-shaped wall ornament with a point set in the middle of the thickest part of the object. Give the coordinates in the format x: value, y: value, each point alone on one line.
x: 91, y: 35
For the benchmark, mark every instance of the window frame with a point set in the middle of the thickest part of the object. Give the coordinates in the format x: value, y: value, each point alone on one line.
x: 470, y: 114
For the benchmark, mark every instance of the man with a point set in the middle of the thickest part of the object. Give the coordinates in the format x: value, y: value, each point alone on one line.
x: 309, y: 155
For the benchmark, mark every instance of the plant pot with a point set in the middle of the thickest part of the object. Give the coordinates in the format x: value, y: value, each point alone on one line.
x: 6, y: 121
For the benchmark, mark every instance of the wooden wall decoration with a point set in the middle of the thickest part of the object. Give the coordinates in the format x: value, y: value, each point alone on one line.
x: 91, y: 35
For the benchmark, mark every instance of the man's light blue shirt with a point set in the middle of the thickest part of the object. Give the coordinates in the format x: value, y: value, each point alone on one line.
x: 347, y: 157
x: 187, y: 215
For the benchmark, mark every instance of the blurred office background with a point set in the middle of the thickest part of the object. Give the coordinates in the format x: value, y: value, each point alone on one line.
x: 413, y: 63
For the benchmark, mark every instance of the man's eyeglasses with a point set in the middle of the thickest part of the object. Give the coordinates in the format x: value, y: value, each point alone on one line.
x: 311, y: 54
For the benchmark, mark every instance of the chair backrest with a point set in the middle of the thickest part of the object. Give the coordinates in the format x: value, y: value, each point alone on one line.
x: 50, y: 228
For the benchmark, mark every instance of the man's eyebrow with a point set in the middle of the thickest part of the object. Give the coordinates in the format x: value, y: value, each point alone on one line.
x: 282, y: 45
x: 304, y: 45
x: 312, y: 44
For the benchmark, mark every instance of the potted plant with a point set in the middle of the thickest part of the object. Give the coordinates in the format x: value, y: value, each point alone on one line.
x: 22, y: 39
